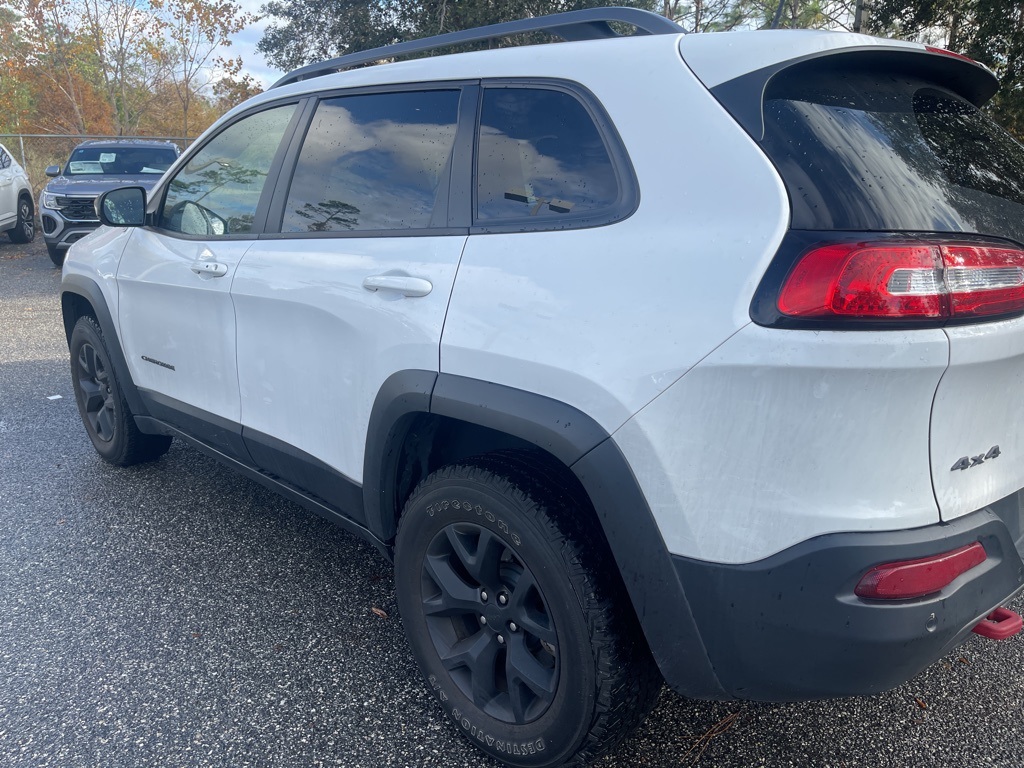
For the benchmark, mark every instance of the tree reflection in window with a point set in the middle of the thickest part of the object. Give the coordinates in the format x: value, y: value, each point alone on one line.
x: 226, y: 177
x: 373, y: 162
x: 328, y: 215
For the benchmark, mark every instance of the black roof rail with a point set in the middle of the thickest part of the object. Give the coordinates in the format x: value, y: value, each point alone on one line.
x: 587, y: 24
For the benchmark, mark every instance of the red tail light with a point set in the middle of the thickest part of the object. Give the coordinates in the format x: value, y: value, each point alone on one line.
x: 904, y: 281
x: 917, y: 578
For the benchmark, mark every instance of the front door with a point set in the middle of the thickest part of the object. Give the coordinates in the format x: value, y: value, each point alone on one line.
x: 175, y: 313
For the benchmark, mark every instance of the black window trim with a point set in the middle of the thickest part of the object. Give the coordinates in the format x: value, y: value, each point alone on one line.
x: 625, y: 176
x: 156, y: 204
x: 463, y: 145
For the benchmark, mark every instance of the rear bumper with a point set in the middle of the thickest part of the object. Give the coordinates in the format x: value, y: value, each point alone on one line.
x: 790, y: 628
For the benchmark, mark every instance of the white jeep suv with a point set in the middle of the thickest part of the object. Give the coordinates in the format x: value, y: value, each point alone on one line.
x: 653, y: 357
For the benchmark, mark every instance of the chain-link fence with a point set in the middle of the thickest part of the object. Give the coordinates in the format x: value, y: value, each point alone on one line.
x: 36, y: 151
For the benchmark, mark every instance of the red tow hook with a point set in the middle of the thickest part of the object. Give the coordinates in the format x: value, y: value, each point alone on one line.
x: 1000, y: 624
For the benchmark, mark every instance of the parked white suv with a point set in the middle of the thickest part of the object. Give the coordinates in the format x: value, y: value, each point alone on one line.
x: 681, y: 357
x: 17, y: 216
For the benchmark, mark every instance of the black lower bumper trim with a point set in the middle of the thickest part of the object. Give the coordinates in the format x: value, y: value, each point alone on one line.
x: 790, y: 628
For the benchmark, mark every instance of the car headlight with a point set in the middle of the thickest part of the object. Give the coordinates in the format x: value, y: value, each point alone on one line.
x: 50, y: 201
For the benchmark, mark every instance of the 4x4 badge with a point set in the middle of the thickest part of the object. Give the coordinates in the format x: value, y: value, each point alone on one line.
x: 972, y: 461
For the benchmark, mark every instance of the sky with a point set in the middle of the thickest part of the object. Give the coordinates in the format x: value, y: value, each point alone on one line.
x: 244, y: 44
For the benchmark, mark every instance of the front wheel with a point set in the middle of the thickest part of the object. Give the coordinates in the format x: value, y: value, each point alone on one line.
x: 101, y: 403
x: 516, y: 615
x: 56, y: 254
x: 25, y: 228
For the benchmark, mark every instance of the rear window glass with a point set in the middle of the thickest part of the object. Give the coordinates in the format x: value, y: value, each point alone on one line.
x: 862, y: 150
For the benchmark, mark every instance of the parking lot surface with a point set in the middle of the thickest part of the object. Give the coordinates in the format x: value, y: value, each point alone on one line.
x: 176, y: 614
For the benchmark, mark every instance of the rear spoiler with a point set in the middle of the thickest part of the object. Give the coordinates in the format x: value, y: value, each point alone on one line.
x: 743, y: 96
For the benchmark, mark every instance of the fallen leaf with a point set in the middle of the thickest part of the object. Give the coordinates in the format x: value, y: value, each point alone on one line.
x: 379, y: 612
x: 921, y: 702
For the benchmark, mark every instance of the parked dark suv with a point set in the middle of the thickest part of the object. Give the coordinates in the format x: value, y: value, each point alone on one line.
x: 67, y: 204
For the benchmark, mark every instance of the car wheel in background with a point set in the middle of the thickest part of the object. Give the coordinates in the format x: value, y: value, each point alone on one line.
x: 25, y: 229
x: 56, y: 255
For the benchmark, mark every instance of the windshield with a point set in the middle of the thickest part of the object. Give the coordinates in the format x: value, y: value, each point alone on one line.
x: 867, y: 150
x: 120, y: 161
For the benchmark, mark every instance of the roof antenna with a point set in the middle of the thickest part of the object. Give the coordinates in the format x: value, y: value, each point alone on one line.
x: 778, y: 15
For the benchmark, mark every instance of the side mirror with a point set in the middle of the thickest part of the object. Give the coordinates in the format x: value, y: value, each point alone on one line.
x: 124, y: 207
x: 52, y: 170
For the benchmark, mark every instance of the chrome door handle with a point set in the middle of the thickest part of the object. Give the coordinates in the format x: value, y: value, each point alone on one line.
x: 209, y: 268
x: 407, y: 286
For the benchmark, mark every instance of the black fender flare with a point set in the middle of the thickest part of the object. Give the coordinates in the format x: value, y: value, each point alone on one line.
x: 87, y: 289
x: 582, y: 445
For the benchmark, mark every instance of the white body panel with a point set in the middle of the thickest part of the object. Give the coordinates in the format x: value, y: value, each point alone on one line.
x: 96, y: 257
x: 173, y: 316
x: 780, y: 436
x: 12, y: 182
x: 314, y: 345
x: 977, y: 407
x: 718, y: 58
x: 603, y: 318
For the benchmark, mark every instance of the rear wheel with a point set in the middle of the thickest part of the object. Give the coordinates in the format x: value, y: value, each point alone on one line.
x: 516, y: 618
x: 101, y: 403
x: 56, y: 254
x: 25, y: 229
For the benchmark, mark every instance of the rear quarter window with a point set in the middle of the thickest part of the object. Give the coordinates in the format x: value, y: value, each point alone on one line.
x: 547, y: 158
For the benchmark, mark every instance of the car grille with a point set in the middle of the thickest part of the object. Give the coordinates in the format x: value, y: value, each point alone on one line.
x: 78, y: 208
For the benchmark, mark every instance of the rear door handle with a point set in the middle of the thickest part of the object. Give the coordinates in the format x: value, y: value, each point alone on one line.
x: 205, y: 268
x: 403, y: 284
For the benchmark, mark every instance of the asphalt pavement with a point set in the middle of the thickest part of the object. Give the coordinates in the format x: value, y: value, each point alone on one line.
x: 177, y: 615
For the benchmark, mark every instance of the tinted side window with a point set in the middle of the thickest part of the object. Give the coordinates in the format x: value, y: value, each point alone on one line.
x: 217, y: 192
x: 540, y: 155
x: 373, y: 162
x: 5, y: 159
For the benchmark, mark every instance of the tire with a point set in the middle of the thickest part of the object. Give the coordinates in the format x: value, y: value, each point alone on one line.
x: 101, y: 403
x: 520, y: 627
x: 25, y: 229
x: 56, y: 255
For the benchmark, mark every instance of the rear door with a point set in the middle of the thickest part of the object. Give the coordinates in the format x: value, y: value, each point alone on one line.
x: 355, y: 283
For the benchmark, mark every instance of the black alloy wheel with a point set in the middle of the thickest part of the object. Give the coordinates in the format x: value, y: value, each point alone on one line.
x: 490, y: 624
x: 516, y: 615
x: 101, y: 403
x: 94, y: 393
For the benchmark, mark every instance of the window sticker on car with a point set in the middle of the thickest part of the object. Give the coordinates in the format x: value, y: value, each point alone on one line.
x: 107, y: 157
x: 86, y: 166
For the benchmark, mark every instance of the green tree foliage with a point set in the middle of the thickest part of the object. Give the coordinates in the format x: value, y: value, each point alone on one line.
x: 314, y: 30
x: 990, y: 31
